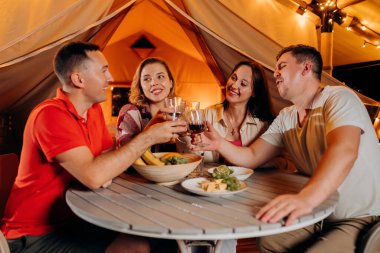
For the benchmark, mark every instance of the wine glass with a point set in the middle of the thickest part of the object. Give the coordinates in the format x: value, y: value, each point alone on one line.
x: 192, y: 105
x: 196, y: 123
x: 177, y: 104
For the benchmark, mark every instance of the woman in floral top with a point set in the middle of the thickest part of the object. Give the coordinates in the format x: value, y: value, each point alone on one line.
x: 152, y: 83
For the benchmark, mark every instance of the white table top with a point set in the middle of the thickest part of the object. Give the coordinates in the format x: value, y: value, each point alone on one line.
x: 134, y: 206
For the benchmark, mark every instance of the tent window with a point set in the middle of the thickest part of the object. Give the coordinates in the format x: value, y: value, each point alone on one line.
x: 143, y: 47
x: 119, y: 98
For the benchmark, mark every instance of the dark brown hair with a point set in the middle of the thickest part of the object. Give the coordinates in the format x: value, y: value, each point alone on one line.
x: 71, y: 56
x: 303, y: 53
x: 258, y: 104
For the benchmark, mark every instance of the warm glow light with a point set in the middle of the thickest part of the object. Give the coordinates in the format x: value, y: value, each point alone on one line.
x: 348, y: 28
x: 364, y: 28
x: 375, y: 44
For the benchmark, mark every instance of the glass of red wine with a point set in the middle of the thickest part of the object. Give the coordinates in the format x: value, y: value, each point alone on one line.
x: 196, y: 121
x: 196, y: 124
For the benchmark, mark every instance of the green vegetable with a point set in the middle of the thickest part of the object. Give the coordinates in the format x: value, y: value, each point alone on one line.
x: 173, y: 160
x: 222, y: 172
x: 233, y: 184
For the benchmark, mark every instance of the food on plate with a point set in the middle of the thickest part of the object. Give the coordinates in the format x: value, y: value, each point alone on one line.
x: 173, y: 158
x: 233, y: 184
x: 222, y: 184
x: 213, y: 186
x: 222, y: 171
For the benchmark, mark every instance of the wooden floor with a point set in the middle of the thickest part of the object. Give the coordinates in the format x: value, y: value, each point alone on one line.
x: 247, y: 246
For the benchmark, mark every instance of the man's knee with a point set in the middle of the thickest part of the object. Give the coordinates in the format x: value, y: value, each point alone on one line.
x: 268, y: 244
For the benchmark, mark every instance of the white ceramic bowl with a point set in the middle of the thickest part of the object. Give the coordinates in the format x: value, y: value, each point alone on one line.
x: 240, y: 173
x: 169, y: 174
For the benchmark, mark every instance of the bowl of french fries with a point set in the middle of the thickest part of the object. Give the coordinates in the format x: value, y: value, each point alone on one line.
x: 166, y: 168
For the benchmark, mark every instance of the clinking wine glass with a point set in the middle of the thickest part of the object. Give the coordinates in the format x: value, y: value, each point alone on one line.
x: 177, y: 106
x: 196, y: 122
x: 192, y: 105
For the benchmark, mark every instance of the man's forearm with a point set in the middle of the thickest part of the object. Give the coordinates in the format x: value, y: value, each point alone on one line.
x: 253, y: 156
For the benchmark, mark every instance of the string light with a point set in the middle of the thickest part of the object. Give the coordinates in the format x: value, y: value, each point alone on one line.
x: 301, y: 10
x: 377, y: 46
x: 329, y: 12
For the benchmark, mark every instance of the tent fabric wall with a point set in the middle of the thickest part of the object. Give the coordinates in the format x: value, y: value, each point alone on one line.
x: 232, y: 30
x: 256, y: 37
x: 249, y: 26
x: 174, y: 41
x: 37, y: 23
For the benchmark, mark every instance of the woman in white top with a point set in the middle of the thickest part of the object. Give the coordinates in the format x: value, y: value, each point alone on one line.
x: 246, y: 111
x: 244, y: 114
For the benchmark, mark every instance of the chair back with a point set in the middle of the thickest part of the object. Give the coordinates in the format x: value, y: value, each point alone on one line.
x: 8, y: 172
x: 371, y: 239
x: 4, y: 248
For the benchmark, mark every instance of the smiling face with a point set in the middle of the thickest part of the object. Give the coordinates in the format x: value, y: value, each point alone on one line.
x: 95, y: 76
x: 288, y: 74
x: 155, y: 82
x: 240, y: 86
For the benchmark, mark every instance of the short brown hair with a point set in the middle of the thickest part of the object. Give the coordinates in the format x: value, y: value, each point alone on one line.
x: 71, y: 56
x: 302, y: 53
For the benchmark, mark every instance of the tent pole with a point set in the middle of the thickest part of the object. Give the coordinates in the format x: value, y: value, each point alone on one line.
x: 327, y: 40
x: 327, y: 51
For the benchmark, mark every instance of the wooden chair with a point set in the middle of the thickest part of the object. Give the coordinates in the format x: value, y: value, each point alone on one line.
x: 4, y: 248
x: 371, y: 239
x: 8, y: 171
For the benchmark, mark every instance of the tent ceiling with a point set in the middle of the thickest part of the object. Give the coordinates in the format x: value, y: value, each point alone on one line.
x: 263, y: 27
x: 348, y: 44
x: 155, y: 18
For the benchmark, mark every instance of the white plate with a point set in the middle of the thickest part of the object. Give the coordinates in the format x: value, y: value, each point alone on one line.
x: 240, y: 173
x: 192, y: 185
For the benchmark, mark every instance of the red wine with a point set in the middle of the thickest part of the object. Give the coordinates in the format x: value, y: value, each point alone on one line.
x: 196, y: 129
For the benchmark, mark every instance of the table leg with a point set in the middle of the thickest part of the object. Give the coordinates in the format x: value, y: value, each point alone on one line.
x: 186, y: 246
x: 218, y: 247
x: 183, y: 247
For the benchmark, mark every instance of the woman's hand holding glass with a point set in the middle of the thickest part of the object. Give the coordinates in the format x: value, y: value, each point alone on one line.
x: 196, y: 121
x: 209, y: 140
x: 175, y: 108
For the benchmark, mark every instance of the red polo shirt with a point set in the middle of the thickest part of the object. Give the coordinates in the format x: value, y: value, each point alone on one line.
x: 37, y: 204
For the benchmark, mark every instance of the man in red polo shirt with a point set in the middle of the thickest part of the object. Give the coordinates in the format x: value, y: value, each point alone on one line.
x: 66, y: 142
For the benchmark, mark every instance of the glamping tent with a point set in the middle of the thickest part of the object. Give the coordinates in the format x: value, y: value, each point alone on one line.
x: 201, y: 40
